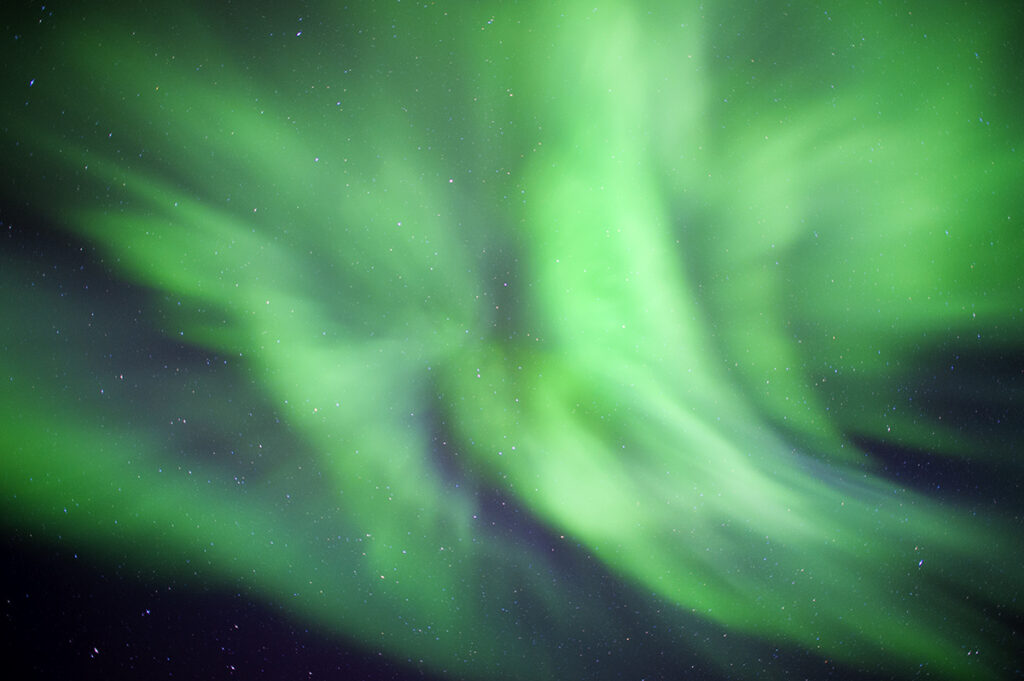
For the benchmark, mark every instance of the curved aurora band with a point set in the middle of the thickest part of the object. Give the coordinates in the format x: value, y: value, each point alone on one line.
x: 537, y: 340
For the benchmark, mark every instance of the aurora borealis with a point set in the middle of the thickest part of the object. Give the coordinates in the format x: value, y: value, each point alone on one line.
x: 529, y: 340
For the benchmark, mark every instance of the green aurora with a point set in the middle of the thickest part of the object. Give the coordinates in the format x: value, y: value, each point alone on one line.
x: 359, y: 288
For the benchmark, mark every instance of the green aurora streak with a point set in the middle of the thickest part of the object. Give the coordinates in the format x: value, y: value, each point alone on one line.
x: 658, y: 277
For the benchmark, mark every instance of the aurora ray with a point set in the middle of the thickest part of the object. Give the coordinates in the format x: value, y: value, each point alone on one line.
x: 452, y: 329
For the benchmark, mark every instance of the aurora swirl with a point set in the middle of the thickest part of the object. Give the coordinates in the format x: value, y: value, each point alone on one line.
x: 516, y: 341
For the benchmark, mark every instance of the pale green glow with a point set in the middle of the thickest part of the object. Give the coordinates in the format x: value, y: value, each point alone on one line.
x: 630, y: 282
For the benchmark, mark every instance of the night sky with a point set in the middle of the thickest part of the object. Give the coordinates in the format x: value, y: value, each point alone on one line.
x: 523, y: 340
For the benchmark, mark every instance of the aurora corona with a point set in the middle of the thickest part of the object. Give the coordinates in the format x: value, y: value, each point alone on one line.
x: 536, y: 340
